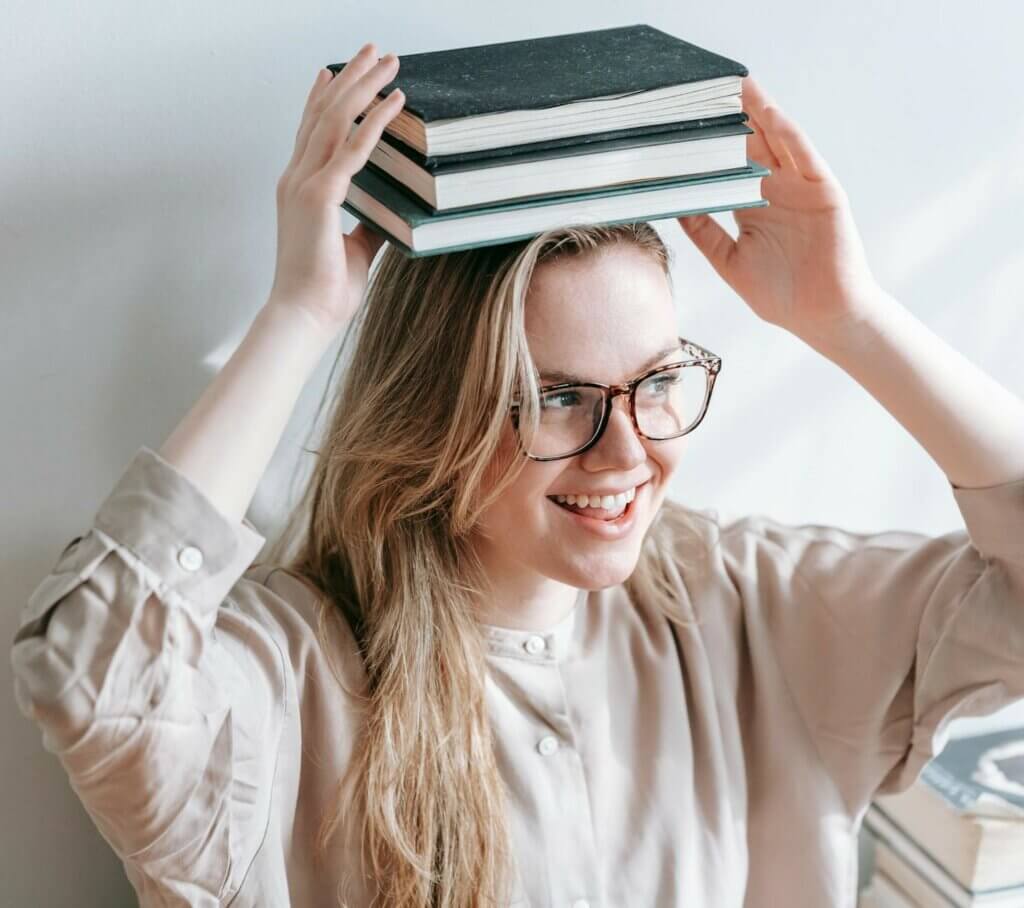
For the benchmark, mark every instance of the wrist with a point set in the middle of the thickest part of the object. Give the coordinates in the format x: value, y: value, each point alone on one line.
x: 301, y: 319
x: 858, y: 330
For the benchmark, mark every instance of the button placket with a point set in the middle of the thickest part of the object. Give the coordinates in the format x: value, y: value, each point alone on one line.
x: 556, y: 787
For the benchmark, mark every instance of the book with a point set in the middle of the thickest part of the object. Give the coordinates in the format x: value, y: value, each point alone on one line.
x: 497, y: 95
x: 446, y: 184
x: 430, y: 161
x: 966, y: 811
x: 885, y: 893
x: 408, y: 223
x: 920, y: 875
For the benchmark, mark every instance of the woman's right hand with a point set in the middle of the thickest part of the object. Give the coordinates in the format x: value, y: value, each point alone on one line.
x: 319, y: 270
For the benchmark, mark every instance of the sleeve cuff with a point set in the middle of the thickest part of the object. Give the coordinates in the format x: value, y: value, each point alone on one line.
x: 159, y: 515
x: 994, y: 518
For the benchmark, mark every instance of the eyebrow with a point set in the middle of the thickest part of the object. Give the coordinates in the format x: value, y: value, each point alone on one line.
x: 557, y: 377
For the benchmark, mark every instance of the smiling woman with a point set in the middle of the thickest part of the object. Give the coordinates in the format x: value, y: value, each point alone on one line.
x: 441, y: 666
x: 444, y: 686
x: 605, y: 316
x: 453, y: 537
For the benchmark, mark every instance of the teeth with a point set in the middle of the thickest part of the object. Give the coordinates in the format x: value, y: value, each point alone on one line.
x: 606, y: 502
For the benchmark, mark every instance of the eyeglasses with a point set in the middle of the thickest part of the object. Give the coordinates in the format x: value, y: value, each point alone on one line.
x: 666, y: 402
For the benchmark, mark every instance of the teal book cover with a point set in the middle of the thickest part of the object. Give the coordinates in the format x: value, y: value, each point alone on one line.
x: 406, y: 207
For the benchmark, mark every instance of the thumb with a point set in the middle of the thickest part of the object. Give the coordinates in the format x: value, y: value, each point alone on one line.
x: 711, y: 239
x: 368, y: 239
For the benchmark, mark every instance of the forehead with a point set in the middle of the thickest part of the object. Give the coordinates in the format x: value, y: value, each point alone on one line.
x: 600, y: 315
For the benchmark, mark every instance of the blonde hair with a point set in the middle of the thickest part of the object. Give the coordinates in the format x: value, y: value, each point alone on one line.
x: 383, y: 533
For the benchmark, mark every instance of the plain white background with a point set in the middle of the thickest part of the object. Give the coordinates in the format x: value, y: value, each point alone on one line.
x: 141, y: 146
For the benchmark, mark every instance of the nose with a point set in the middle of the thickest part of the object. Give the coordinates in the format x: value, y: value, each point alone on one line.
x: 619, y: 447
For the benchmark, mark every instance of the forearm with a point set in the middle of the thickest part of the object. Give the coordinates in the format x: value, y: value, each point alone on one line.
x: 225, y: 442
x: 971, y: 425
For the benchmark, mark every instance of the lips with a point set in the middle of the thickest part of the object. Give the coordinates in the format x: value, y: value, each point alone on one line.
x: 608, y: 514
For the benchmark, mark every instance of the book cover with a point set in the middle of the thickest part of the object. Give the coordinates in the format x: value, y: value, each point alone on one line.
x: 537, y: 73
x: 981, y: 775
x: 413, y: 212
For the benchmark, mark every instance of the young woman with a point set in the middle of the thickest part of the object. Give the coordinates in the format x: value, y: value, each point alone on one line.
x: 490, y: 662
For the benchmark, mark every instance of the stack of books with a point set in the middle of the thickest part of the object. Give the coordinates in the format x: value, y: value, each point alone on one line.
x: 956, y: 836
x: 499, y: 142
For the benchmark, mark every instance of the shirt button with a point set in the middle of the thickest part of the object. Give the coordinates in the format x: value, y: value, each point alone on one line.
x: 190, y: 558
x: 534, y: 645
x: 547, y: 746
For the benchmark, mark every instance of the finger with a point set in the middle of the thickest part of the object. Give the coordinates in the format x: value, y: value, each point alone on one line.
x: 364, y: 245
x: 303, y: 130
x: 350, y: 157
x: 805, y: 157
x: 364, y: 137
x: 754, y: 101
x: 323, y: 95
x: 711, y: 239
x: 351, y: 73
x: 757, y: 148
x: 335, y: 123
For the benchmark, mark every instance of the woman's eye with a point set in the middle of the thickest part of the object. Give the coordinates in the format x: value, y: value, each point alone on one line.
x: 560, y: 400
x: 664, y: 383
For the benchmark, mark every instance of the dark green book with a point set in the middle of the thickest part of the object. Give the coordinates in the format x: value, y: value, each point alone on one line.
x: 392, y: 210
x: 489, y: 96
x: 557, y: 170
x: 657, y: 132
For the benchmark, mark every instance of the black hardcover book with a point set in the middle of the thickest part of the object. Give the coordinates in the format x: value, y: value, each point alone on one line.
x: 556, y: 87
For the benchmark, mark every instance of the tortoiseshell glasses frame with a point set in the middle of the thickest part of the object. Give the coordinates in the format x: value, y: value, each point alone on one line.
x: 700, y: 357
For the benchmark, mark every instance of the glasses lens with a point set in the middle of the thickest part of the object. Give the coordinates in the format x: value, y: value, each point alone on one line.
x: 566, y: 421
x: 670, y: 402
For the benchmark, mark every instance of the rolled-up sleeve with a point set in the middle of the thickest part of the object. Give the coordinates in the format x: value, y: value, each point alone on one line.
x: 163, y: 703
x: 882, y: 639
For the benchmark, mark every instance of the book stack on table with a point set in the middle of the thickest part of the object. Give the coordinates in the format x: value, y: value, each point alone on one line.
x: 956, y: 836
x: 499, y: 142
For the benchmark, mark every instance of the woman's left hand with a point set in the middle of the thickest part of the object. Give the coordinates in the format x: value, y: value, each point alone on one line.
x: 798, y: 262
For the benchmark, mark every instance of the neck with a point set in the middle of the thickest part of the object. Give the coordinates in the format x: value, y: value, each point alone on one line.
x: 526, y: 601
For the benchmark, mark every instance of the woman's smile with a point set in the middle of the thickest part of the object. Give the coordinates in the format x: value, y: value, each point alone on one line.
x: 609, y: 523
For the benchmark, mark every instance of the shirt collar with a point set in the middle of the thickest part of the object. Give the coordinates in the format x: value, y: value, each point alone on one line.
x: 547, y: 646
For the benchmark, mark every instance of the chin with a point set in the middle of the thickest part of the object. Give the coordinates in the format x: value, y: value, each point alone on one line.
x: 607, y: 570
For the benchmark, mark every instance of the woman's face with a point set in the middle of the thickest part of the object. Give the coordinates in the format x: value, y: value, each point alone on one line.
x: 606, y: 317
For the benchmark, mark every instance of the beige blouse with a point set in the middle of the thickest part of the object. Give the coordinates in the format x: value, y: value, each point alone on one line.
x: 725, y: 765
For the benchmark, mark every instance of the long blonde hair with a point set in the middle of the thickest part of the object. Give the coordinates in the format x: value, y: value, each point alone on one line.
x: 383, y: 533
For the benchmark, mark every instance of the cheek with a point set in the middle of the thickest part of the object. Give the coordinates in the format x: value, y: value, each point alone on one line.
x: 667, y: 455
x: 523, y: 503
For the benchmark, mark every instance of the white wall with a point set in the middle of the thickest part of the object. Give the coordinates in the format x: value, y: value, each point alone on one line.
x: 141, y: 146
